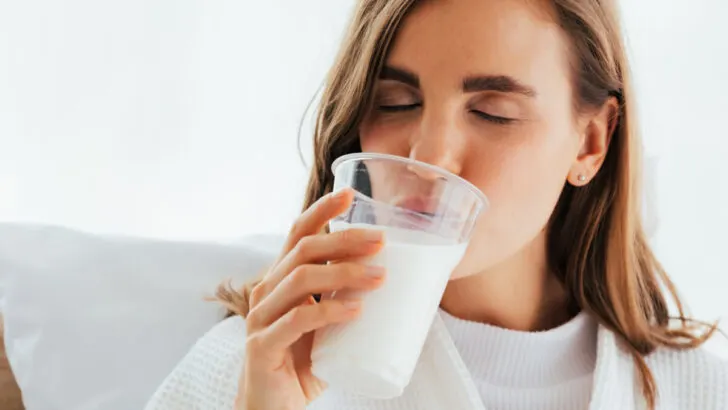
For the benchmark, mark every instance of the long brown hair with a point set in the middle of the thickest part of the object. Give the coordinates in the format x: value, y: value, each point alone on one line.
x: 596, y: 243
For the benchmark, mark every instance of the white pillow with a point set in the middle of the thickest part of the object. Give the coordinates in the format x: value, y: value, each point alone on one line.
x: 97, y: 322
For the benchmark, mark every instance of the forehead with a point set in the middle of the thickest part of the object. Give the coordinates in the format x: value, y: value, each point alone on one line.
x: 465, y: 37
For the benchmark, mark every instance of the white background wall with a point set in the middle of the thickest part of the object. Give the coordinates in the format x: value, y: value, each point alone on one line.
x: 179, y: 119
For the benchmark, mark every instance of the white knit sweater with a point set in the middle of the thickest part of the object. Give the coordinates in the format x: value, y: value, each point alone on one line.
x: 207, y: 378
x: 549, y: 370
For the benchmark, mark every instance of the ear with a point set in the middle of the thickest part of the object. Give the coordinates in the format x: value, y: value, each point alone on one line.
x: 596, y: 134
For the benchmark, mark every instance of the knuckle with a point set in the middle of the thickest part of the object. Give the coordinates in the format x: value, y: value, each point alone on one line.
x: 257, y: 294
x: 254, y: 342
x: 303, y: 247
x: 252, y: 321
x: 297, y: 228
x: 296, y: 316
x: 300, y: 276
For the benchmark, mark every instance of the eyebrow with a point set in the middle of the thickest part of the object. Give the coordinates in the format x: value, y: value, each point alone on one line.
x: 401, y: 75
x: 499, y: 83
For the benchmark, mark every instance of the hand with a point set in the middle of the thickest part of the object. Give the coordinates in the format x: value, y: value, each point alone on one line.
x: 283, y: 313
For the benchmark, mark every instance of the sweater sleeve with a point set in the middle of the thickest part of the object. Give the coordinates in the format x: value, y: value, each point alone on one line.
x: 690, y: 379
x: 207, y: 377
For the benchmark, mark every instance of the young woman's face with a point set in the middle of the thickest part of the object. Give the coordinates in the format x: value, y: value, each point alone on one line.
x: 483, y: 88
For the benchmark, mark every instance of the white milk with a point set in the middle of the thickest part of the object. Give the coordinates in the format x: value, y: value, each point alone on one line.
x: 375, y: 355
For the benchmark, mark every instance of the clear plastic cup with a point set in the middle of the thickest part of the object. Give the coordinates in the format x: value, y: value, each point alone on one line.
x: 428, y: 215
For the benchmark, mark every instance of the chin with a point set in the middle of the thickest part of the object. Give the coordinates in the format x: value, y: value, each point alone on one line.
x: 465, y: 269
x: 459, y: 275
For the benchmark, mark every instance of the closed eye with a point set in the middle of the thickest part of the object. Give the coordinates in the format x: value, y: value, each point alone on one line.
x: 492, y: 118
x: 398, y: 108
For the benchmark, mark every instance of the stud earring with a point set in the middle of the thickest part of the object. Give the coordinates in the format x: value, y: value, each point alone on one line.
x: 581, y: 177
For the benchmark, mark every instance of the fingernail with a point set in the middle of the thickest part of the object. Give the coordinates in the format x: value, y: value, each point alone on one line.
x: 352, y: 304
x: 375, y: 271
x: 373, y: 235
x: 339, y: 195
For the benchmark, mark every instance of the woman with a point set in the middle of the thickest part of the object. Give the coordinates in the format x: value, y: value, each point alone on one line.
x: 558, y: 302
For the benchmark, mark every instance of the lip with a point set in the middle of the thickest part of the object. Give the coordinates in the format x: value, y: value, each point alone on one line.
x: 425, y: 210
x: 421, y: 212
x: 420, y: 205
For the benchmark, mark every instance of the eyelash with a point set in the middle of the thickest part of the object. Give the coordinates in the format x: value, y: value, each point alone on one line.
x: 398, y: 108
x: 408, y: 107
x: 493, y: 118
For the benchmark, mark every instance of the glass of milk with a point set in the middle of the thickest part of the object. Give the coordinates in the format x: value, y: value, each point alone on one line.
x: 428, y: 215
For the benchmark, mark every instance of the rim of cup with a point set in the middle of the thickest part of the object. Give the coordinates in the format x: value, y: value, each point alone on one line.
x: 363, y: 156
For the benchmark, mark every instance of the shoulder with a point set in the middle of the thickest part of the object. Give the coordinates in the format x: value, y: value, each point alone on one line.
x: 207, y: 377
x: 693, y: 378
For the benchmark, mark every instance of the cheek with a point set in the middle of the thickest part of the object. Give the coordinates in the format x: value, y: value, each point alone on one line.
x: 385, y: 137
x: 523, y: 182
x: 524, y: 171
x: 528, y: 181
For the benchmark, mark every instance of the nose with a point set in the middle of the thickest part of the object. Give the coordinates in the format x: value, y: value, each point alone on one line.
x: 437, y: 141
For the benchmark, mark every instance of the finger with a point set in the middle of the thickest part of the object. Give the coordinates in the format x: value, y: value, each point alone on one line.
x: 276, y: 338
x: 346, y: 244
x: 306, y: 280
x: 313, y: 219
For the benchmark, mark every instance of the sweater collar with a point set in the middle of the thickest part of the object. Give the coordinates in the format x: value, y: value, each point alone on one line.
x: 518, y: 359
x: 613, y: 382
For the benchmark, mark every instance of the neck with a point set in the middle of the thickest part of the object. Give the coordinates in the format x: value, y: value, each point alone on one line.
x: 519, y: 294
